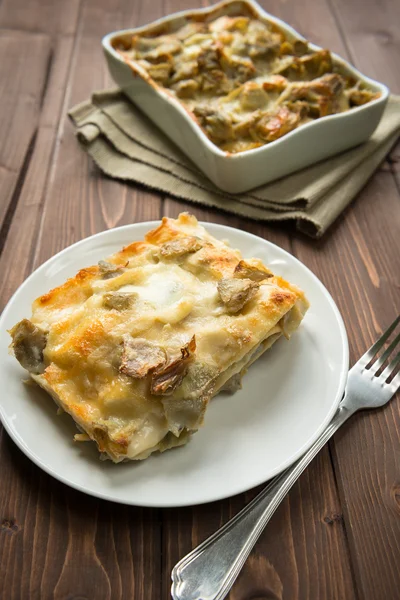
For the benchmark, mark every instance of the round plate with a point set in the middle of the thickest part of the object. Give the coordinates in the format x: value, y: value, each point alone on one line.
x: 288, y: 398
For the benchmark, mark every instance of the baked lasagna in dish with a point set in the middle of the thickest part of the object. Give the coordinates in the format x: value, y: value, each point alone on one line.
x: 241, y: 78
x: 135, y: 347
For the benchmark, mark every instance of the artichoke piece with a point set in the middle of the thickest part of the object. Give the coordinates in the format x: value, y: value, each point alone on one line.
x: 273, y: 126
x: 276, y: 84
x: 167, y: 377
x: 317, y: 64
x: 216, y: 125
x: 311, y: 110
x: 235, y: 68
x: 264, y: 46
x: 160, y: 72
x: 29, y: 342
x: 253, y: 96
x: 186, y: 70
x: 186, y: 88
x: 144, y: 44
x: 108, y: 270
x: 319, y: 97
x: 243, y: 128
x: 360, y: 97
x: 226, y: 23
x: 261, y: 42
x: 152, y: 47
x: 212, y: 77
x: 215, y: 81
x: 180, y: 247
x: 300, y: 47
x: 208, y: 59
x: 166, y: 49
x: 297, y: 48
x: 172, y: 441
x: 235, y: 293
x: 140, y: 356
x: 189, y: 30
x: 247, y: 270
x: 308, y: 66
x: 119, y: 300
x: 331, y: 84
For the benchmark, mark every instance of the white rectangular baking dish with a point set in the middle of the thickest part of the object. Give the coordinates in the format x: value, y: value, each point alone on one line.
x: 235, y: 173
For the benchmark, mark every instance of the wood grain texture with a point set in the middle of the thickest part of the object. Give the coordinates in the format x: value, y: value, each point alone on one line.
x: 371, y: 33
x: 336, y: 536
x: 365, y: 245
x: 302, y: 554
x: 40, y: 15
x: 86, y: 201
x: 23, y: 70
x: 57, y: 543
x: 26, y: 218
x: 367, y: 460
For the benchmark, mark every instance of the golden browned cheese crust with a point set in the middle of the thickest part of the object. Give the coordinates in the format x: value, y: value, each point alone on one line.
x: 134, y: 348
x: 241, y: 78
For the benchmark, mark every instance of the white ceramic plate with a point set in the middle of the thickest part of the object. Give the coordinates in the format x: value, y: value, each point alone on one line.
x: 289, y: 395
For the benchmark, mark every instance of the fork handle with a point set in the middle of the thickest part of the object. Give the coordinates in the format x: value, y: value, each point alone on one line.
x: 209, y: 571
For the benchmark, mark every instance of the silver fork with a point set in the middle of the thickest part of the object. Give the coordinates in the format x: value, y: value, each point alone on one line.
x: 209, y: 571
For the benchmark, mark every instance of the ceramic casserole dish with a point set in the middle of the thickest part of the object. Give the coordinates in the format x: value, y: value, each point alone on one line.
x: 238, y: 172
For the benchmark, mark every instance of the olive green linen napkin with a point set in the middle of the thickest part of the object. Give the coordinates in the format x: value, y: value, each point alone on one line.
x: 126, y: 145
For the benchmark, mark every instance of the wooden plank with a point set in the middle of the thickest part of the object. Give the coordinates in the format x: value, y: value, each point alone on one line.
x: 40, y: 15
x: 21, y: 482
x: 59, y: 543
x: 359, y: 264
x: 313, y: 20
x: 63, y: 168
x: 394, y: 164
x: 87, y: 201
x: 302, y: 553
x: 371, y: 35
x: 22, y: 233
x: 89, y: 548
x: 23, y: 72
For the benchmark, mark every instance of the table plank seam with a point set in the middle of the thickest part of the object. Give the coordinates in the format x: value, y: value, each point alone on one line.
x: 342, y: 502
x: 17, y: 191
x: 392, y: 170
x: 46, y: 78
x: 341, y: 32
x: 352, y: 59
x: 63, y: 110
x: 38, y: 33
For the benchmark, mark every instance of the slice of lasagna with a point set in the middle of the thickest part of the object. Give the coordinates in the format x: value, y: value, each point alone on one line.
x: 134, y: 347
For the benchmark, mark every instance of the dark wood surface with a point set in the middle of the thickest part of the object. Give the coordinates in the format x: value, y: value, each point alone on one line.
x: 337, y: 534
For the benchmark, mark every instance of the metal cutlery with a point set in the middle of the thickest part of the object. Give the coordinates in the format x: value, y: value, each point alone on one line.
x: 209, y: 571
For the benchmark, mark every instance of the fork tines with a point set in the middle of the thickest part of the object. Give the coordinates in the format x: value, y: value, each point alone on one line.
x: 376, y: 366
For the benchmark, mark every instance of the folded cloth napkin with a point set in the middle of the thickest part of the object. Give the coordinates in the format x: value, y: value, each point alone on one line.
x: 126, y: 145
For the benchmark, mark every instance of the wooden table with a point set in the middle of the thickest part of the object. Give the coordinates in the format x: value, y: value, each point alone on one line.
x: 337, y: 534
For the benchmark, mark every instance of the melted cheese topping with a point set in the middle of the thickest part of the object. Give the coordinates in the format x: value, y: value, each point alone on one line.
x: 163, y: 292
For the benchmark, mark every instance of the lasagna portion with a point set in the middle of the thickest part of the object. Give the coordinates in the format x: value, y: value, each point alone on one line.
x: 134, y: 347
x: 241, y: 79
